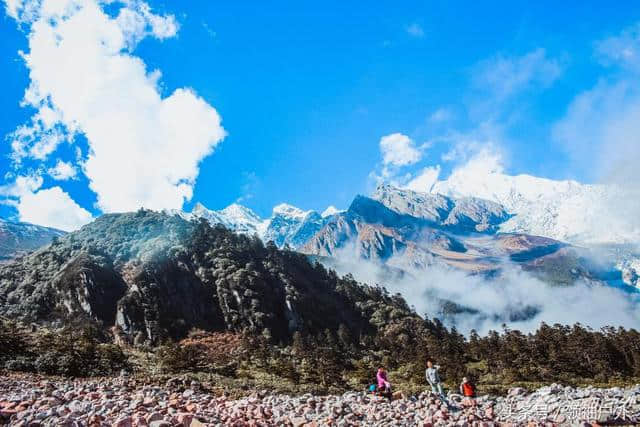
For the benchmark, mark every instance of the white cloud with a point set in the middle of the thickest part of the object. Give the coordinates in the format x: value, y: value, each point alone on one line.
x: 601, y: 134
x: 22, y: 185
x: 441, y: 115
x: 137, y: 22
x: 63, y: 171
x: 425, y: 180
x: 144, y: 150
x: 399, y: 150
x: 601, y: 129
x: 52, y: 207
x: 21, y: 10
x: 415, y: 30
x: 41, y: 137
x: 623, y: 50
x: 504, y: 76
x: 493, y: 300
x: 467, y: 149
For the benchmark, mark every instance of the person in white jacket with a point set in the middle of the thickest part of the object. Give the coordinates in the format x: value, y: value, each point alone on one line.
x: 433, y: 378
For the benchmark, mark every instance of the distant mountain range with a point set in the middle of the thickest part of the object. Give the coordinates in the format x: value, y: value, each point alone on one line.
x: 287, y: 226
x: 17, y: 238
x: 477, y: 225
x: 150, y: 276
x: 413, y: 230
x: 148, y: 272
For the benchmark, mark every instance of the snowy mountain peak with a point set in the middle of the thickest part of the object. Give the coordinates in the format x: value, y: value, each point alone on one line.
x: 240, y: 213
x: 287, y: 226
x: 330, y: 211
x: 564, y: 210
x: 235, y: 217
x: 289, y: 211
x: 214, y: 217
x: 199, y: 209
x: 432, y: 207
x: 21, y: 237
x: 469, y: 213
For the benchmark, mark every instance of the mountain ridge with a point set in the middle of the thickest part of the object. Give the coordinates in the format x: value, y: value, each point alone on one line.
x: 18, y: 238
x: 154, y: 275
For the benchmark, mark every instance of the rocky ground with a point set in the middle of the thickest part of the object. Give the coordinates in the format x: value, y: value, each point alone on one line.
x: 31, y: 401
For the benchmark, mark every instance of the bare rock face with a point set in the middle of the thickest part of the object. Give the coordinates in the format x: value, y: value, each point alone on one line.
x: 154, y: 275
x: 463, y: 214
x: 412, y: 231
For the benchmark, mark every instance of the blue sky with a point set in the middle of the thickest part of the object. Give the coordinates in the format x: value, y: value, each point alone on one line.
x: 306, y: 91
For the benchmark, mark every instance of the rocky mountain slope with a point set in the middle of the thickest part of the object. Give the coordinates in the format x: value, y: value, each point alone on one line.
x: 468, y: 223
x: 17, y: 238
x: 287, y: 225
x: 292, y: 226
x: 465, y: 214
x: 154, y: 275
x: 410, y: 230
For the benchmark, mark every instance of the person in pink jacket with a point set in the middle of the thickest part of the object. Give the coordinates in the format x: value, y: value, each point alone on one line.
x: 383, y: 382
x: 384, y: 386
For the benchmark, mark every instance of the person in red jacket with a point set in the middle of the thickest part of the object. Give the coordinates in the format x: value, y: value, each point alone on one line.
x: 468, y: 390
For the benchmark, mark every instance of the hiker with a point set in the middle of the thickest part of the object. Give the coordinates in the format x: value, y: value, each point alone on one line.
x: 384, y: 391
x: 468, y: 391
x: 384, y: 386
x: 383, y: 382
x: 433, y: 378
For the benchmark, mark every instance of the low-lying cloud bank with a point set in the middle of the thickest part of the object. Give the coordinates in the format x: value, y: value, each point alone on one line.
x: 514, y: 297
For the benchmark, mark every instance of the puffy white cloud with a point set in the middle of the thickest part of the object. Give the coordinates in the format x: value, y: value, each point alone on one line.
x: 137, y: 22
x: 475, y: 158
x: 144, y: 150
x: 22, y: 185
x: 21, y: 10
x: 494, y: 300
x: 425, y: 180
x: 399, y: 150
x: 41, y: 137
x: 415, y: 30
x: 63, y: 171
x: 52, y: 207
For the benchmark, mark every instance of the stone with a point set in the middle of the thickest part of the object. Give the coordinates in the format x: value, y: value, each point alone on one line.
x: 298, y: 421
x: 123, y: 422
x: 185, y: 419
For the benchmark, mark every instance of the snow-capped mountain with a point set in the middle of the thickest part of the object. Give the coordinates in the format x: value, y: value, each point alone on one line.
x: 447, y: 223
x: 288, y: 225
x: 582, y: 214
x: 468, y: 213
x: 292, y: 226
x: 604, y: 218
x: 331, y: 210
x: 19, y: 237
x: 411, y: 231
